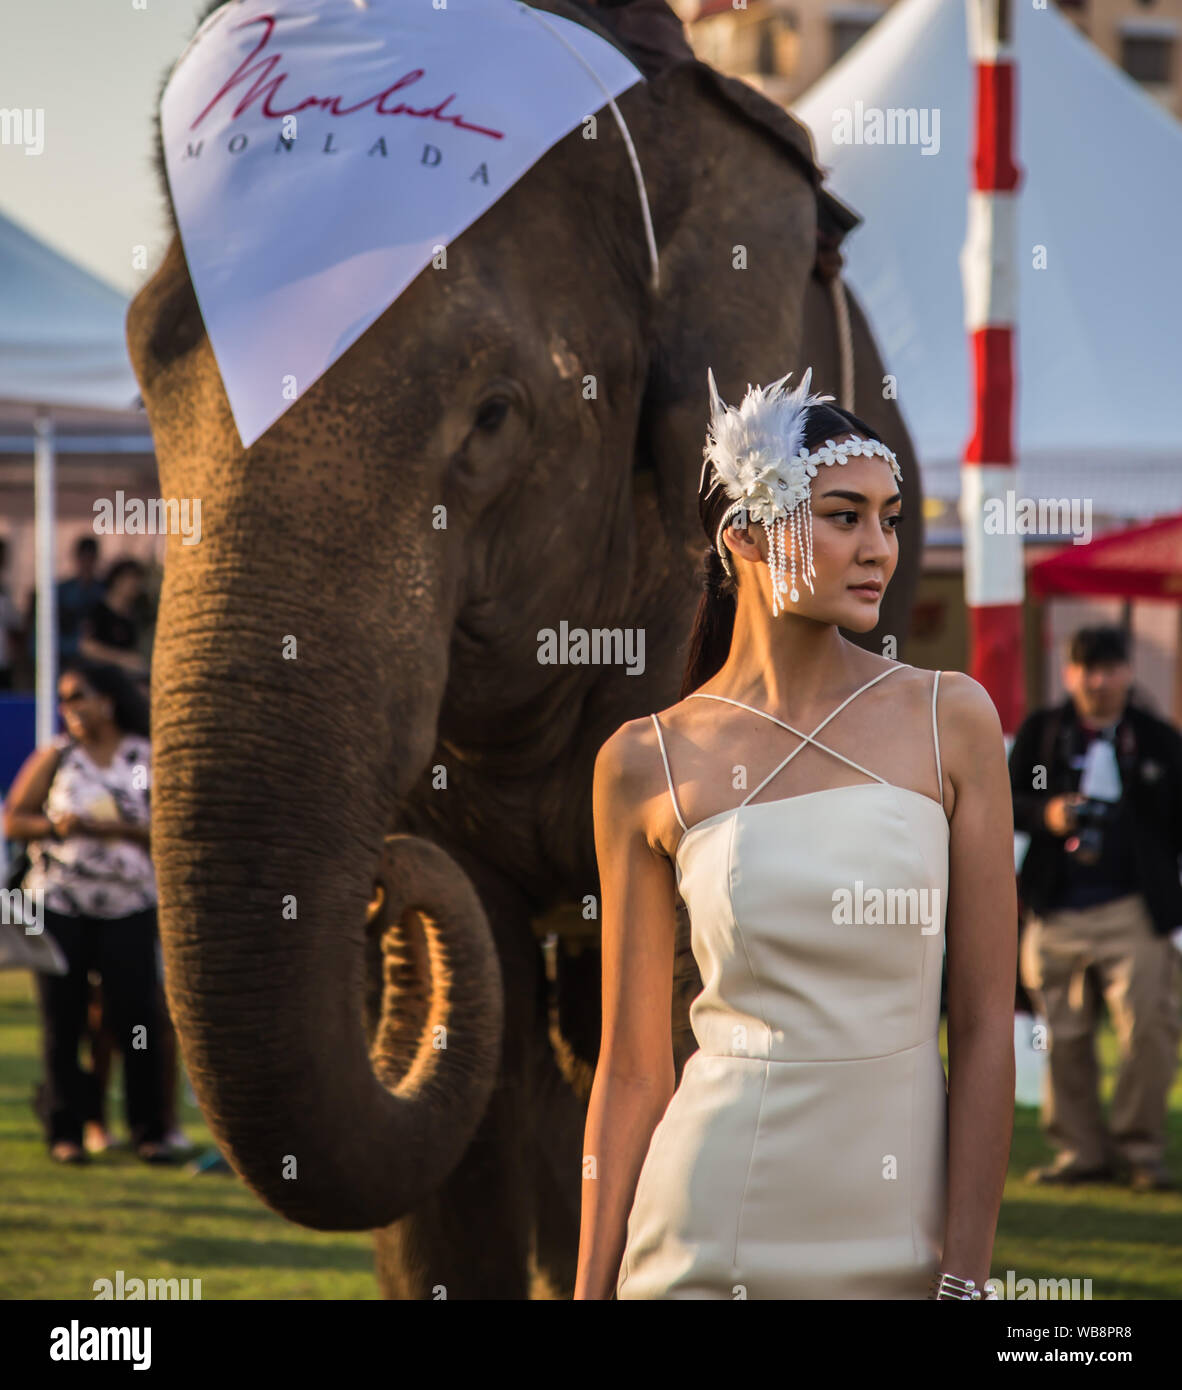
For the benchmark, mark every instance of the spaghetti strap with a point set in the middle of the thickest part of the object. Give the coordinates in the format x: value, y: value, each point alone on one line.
x: 706, y: 695
x: 668, y: 774
x: 808, y: 738
x: 936, y: 738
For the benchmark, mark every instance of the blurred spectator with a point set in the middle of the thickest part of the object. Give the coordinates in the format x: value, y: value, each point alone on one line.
x: 82, y: 804
x: 10, y: 625
x: 1097, y: 785
x: 77, y: 596
x: 110, y: 631
x: 96, y: 1136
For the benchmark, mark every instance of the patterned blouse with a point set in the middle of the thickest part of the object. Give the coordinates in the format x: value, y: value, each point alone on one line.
x: 83, y: 876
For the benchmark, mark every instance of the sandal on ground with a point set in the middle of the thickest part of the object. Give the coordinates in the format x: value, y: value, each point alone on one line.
x: 66, y: 1151
x: 1151, y: 1178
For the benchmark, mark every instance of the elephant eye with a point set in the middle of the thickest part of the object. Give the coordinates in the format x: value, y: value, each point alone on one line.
x: 491, y: 413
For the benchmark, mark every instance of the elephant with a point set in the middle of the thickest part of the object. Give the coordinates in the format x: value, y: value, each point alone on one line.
x: 372, y: 796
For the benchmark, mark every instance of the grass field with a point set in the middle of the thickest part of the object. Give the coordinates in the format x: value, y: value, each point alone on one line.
x: 62, y: 1228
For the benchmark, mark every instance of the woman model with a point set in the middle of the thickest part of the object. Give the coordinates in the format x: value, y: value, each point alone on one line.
x: 826, y: 815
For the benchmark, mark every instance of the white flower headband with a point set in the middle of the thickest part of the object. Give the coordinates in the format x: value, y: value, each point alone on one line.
x: 758, y: 454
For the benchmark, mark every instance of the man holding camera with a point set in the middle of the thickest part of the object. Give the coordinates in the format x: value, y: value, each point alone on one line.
x: 1097, y: 785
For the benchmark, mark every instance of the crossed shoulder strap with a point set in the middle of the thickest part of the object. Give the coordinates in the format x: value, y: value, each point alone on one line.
x: 807, y: 738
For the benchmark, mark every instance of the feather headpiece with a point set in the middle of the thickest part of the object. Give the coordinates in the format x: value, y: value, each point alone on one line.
x: 759, y: 458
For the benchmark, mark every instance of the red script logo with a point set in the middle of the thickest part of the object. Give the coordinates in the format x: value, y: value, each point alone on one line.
x: 266, y: 86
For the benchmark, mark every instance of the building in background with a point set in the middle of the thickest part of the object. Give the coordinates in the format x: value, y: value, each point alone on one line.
x: 782, y: 47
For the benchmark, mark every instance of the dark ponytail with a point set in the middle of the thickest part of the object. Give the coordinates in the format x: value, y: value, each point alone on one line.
x: 714, y: 622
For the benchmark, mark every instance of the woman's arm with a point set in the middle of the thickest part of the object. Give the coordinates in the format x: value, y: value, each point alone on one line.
x: 635, y: 1076
x: 982, y: 936
x: 114, y: 830
x: 23, y: 816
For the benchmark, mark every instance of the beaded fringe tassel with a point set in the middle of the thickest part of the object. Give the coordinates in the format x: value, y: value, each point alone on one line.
x: 801, y: 532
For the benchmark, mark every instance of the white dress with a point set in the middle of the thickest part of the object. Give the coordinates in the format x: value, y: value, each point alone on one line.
x: 803, y: 1153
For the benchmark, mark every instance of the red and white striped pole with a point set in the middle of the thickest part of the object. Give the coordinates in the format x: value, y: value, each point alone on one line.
x: 994, y: 575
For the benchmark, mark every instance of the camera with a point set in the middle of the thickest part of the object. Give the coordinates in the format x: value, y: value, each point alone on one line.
x: 1091, y: 818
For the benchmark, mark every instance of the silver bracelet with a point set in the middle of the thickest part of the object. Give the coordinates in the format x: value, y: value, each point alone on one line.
x: 953, y: 1286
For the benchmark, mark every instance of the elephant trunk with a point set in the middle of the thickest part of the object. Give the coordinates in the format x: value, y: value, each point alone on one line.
x: 274, y: 779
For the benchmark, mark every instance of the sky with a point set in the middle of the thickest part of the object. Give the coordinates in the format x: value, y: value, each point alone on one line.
x: 94, y: 67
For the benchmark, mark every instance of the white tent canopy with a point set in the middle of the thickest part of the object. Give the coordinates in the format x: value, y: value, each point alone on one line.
x: 62, y: 351
x: 62, y: 330
x: 1099, y: 353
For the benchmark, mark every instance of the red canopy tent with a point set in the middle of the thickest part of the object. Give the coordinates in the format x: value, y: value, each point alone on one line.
x: 1142, y: 562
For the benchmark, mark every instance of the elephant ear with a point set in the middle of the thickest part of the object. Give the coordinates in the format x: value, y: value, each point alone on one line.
x: 737, y: 213
x: 753, y: 106
x: 835, y: 218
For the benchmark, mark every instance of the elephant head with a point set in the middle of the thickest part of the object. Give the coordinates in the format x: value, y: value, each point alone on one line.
x: 352, y: 650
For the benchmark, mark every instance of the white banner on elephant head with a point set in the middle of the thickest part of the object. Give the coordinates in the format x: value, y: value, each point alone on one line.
x: 319, y: 151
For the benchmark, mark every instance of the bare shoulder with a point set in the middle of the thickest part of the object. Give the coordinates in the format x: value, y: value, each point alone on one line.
x: 621, y: 755
x: 628, y: 774
x: 971, y: 735
x: 964, y: 705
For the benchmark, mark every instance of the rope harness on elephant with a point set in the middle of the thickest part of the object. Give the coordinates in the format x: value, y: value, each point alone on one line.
x: 645, y: 213
x: 845, y: 340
